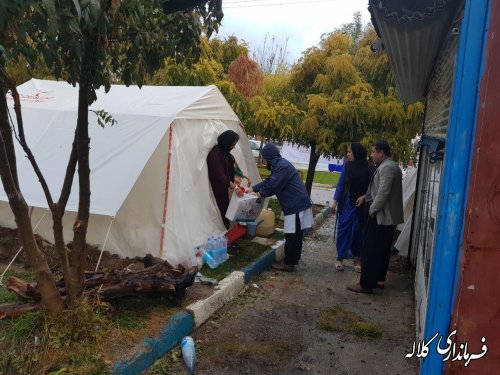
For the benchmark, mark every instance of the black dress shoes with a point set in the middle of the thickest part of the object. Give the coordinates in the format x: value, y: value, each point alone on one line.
x: 356, y: 288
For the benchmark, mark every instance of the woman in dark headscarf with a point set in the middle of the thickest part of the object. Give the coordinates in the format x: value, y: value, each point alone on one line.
x: 352, y: 184
x: 221, y: 170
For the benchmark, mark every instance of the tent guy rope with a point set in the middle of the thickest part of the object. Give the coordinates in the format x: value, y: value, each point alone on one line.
x: 19, y: 251
x: 104, y: 244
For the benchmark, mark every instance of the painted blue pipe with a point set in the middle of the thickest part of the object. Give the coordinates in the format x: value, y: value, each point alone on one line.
x: 455, y: 179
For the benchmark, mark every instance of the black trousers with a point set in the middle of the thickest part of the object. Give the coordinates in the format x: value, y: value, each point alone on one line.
x: 376, y: 253
x: 293, y: 244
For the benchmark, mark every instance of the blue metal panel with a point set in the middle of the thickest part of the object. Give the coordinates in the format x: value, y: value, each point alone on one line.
x: 455, y: 179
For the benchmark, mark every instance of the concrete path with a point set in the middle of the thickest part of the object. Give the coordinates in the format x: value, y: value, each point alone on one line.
x: 273, y: 327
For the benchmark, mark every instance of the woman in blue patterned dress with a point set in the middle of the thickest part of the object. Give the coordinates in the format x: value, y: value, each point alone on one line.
x: 352, y: 184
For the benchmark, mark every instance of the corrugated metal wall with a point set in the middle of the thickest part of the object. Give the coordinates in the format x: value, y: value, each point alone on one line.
x: 439, y: 93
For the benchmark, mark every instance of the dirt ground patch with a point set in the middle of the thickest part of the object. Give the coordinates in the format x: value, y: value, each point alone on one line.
x: 273, y: 327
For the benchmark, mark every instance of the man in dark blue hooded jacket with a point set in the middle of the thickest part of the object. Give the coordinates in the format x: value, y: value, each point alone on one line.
x: 285, y: 183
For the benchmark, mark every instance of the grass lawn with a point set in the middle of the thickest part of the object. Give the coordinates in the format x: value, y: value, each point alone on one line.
x: 326, y: 178
x: 247, y: 253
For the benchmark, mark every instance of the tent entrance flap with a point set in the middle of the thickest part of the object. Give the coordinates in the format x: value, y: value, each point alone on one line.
x: 192, y: 214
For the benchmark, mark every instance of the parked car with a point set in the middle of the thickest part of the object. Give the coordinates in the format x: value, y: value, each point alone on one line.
x: 255, y: 147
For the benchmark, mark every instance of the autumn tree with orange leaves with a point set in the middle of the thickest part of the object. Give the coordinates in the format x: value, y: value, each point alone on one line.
x: 246, y: 75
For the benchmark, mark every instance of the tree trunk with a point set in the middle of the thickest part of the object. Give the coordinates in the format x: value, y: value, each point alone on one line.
x: 46, y: 285
x: 78, y: 253
x: 313, y: 161
x: 50, y: 295
x: 62, y: 251
x: 56, y: 209
x: 8, y: 140
x: 261, y: 159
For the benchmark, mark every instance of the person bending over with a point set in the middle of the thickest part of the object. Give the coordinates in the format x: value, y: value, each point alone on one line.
x: 285, y: 182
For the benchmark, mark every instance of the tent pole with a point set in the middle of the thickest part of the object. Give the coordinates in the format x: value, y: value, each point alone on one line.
x: 167, y: 182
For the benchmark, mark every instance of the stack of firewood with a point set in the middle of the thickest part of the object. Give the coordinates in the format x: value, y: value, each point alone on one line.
x: 158, y: 277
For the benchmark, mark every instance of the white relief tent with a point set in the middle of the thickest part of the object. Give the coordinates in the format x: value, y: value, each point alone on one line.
x: 150, y: 191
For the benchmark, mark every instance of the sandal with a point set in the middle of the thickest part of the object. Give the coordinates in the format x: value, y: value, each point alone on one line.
x: 339, y: 266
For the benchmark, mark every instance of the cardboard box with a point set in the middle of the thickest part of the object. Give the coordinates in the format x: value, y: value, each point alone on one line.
x: 244, y: 208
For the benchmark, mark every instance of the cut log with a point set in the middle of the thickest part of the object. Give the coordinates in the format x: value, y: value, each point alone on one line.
x: 150, y: 260
x: 11, y: 310
x: 116, y: 276
x: 158, y: 279
x: 23, y: 289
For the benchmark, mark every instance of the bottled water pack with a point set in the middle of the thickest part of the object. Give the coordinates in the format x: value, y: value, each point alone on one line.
x: 216, y: 247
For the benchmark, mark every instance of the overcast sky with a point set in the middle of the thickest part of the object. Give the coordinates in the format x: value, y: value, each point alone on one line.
x: 301, y: 21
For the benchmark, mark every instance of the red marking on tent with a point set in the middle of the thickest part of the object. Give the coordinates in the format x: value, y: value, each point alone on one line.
x: 166, y: 191
x: 36, y: 97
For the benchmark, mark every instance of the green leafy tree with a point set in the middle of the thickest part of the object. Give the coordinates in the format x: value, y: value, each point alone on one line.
x: 354, y: 29
x: 89, y: 43
x: 274, y: 119
x: 225, y: 51
x: 278, y: 86
x: 374, y: 67
x: 337, y: 102
x: 395, y: 122
x: 207, y: 68
x: 274, y: 115
x: 348, y: 96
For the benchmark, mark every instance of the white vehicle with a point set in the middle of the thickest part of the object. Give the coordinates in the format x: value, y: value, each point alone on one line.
x: 255, y: 147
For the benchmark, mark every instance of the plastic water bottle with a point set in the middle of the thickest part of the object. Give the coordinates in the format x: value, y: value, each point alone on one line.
x: 199, y: 256
x: 218, y: 251
x: 224, y: 246
x: 212, y: 248
x: 222, y: 249
x: 209, y: 247
x: 208, y: 244
x: 208, y: 259
x: 188, y: 353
